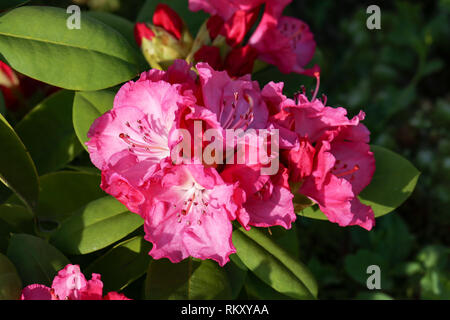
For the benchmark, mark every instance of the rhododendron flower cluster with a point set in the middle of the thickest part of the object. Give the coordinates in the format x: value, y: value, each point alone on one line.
x: 285, y: 42
x: 70, y: 284
x: 188, y: 206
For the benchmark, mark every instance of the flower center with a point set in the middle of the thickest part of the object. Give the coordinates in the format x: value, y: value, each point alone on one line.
x: 346, y: 171
x: 147, y: 142
x: 195, y: 201
x: 233, y: 120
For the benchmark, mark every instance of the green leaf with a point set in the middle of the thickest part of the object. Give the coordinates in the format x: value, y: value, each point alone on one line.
x: 37, y: 42
x: 99, y: 224
x: 64, y: 192
x: 87, y: 107
x: 191, y: 279
x: 8, y: 4
x: 237, y: 274
x: 14, y: 219
x: 273, y: 265
x: 17, y: 170
x: 17, y: 218
x: 373, y: 296
x: 192, y: 19
x: 35, y: 259
x: 257, y: 289
x: 48, y: 134
x: 10, y: 283
x: 123, y: 26
x: 123, y: 264
x: 392, y: 239
x: 313, y: 212
x: 393, y: 182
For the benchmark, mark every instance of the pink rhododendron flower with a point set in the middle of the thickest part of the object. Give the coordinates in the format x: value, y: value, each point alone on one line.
x: 265, y: 200
x: 70, y: 284
x: 190, y: 215
x: 339, y: 166
x: 285, y: 42
x: 128, y: 142
x: 226, y: 8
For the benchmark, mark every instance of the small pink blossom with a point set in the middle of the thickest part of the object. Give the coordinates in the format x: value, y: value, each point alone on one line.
x: 70, y: 284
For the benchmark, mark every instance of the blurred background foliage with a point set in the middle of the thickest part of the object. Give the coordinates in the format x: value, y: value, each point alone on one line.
x: 399, y: 76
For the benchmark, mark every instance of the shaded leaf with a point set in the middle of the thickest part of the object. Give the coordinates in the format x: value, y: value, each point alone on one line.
x: 36, y: 260
x: 10, y: 283
x: 8, y: 4
x: 64, y: 192
x: 99, y: 224
x: 17, y: 170
x: 189, y: 279
x: 48, y: 134
x: 273, y: 265
x: 123, y: 264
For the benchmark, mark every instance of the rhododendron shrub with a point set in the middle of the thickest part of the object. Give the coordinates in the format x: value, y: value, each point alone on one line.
x: 166, y: 164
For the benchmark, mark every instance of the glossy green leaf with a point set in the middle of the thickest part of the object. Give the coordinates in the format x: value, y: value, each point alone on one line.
x: 274, y: 265
x: 237, y: 274
x: 99, y: 224
x: 10, y: 283
x: 313, y: 213
x: 393, y: 182
x: 90, y: 58
x: 258, y: 289
x: 8, y: 4
x: 123, y: 264
x: 17, y: 170
x: 192, y: 19
x: 36, y: 260
x: 121, y: 25
x: 48, y: 133
x: 17, y: 218
x: 87, y: 107
x: 189, y: 279
x: 64, y: 192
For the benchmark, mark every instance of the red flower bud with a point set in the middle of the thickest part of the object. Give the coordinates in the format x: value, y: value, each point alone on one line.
x: 214, y: 25
x: 142, y: 31
x: 166, y: 18
x: 235, y: 28
x: 211, y: 55
x: 240, y: 60
x: 7, y: 76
